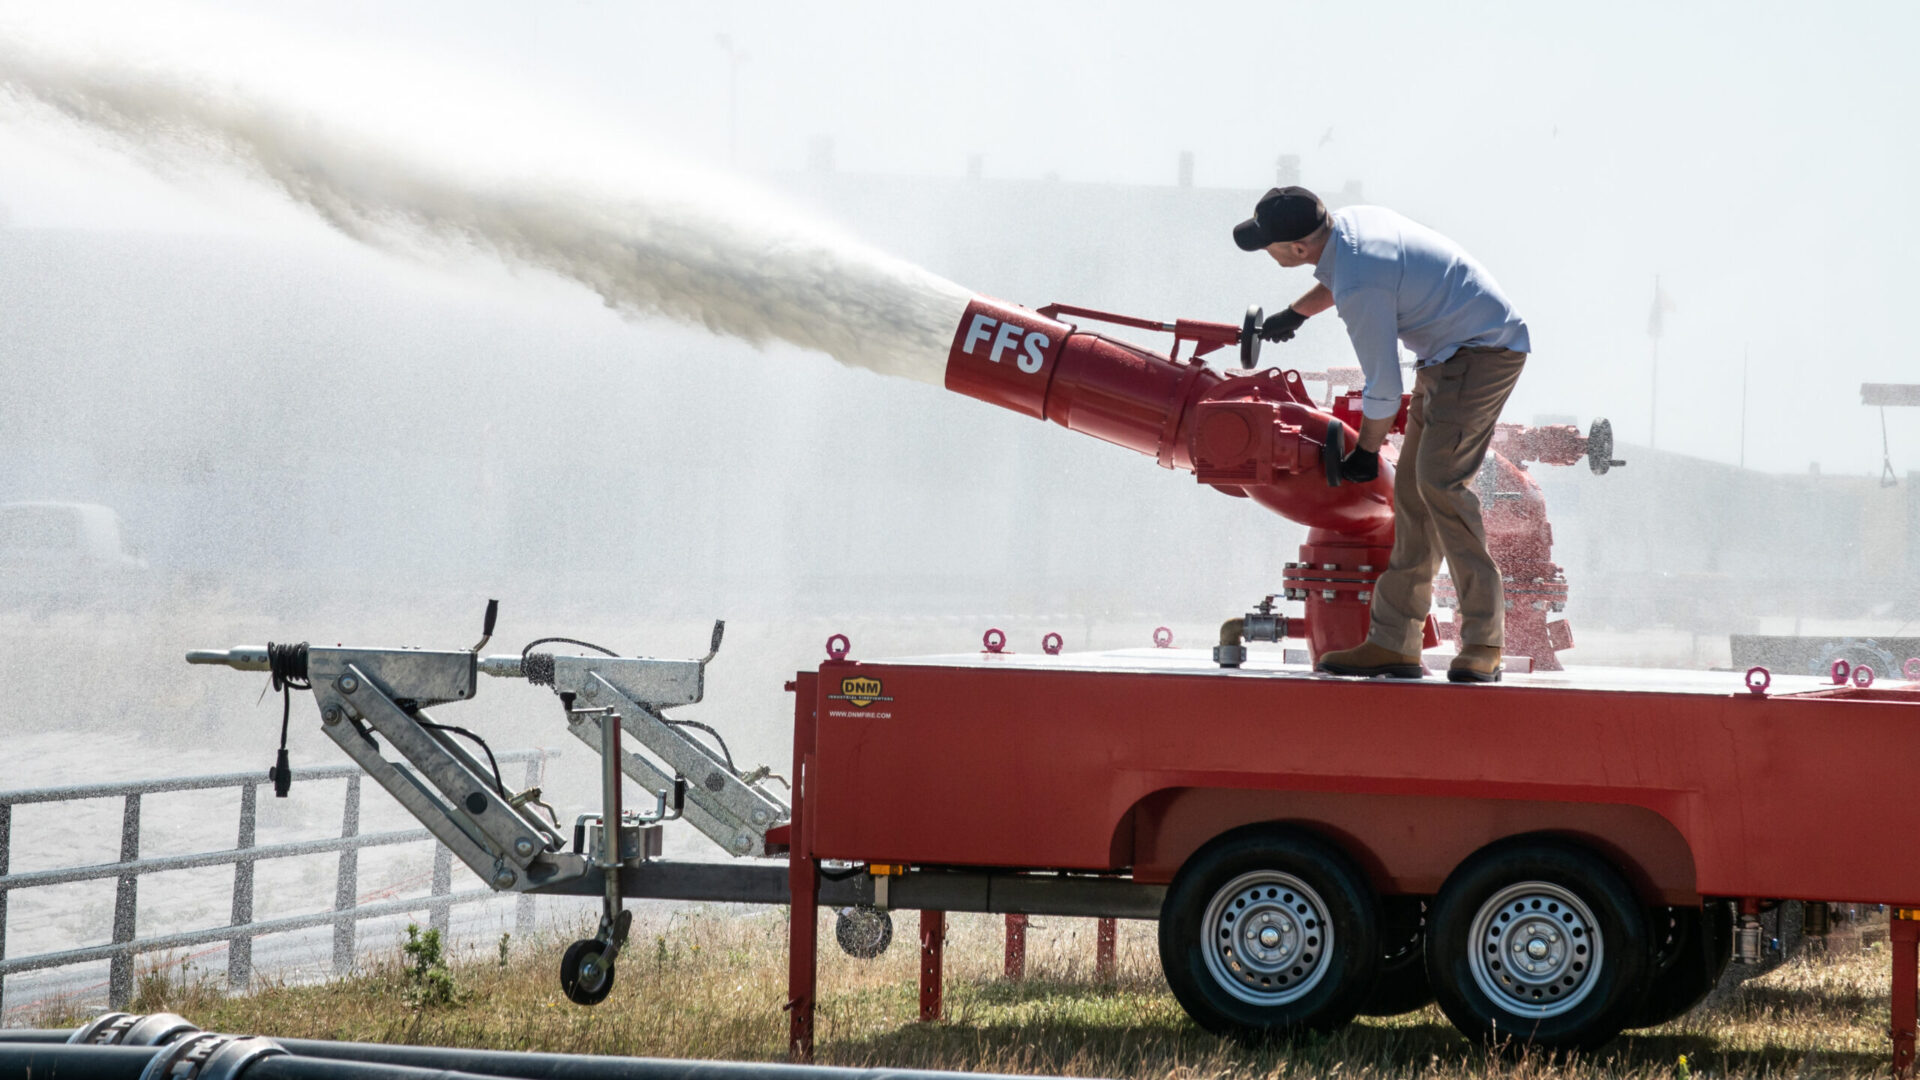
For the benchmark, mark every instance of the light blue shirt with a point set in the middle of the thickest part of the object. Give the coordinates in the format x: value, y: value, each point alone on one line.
x: 1393, y: 279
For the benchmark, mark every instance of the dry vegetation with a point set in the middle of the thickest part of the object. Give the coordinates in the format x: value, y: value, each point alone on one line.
x: 709, y: 984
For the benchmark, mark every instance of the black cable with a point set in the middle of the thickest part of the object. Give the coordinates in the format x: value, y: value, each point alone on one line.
x: 702, y: 727
x: 568, y: 641
x: 433, y: 726
x: 286, y: 672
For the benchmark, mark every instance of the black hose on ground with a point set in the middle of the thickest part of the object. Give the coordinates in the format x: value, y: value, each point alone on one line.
x: 45, y: 1054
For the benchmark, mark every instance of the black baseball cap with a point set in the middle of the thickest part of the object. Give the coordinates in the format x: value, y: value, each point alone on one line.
x: 1283, y: 215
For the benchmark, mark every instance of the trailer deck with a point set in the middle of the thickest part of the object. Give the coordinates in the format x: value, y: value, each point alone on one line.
x: 1124, y: 765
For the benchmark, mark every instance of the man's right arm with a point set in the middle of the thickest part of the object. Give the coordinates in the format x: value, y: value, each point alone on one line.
x: 1374, y: 327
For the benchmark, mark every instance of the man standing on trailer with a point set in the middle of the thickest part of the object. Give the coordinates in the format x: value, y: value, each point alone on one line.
x: 1394, y: 280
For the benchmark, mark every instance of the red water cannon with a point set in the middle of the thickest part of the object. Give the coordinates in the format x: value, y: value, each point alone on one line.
x: 1257, y: 436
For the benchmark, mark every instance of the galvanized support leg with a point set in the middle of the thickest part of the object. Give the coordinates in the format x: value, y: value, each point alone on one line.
x: 240, y: 949
x: 1016, y: 966
x: 803, y: 886
x: 1106, y: 939
x: 933, y: 948
x: 346, y: 886
x: 126, y: 900
x: 1903, y: 932
x: 523, y: 907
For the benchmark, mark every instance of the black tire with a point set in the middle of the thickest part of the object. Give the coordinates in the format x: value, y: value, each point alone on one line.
x: 1401, y: 984
x: 583, y: 978
x: 1308, y: 914
x: 1691, y: 952
x: 1579, y: 933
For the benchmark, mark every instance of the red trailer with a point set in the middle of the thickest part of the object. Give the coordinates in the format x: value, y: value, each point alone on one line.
x: 1564, y: 853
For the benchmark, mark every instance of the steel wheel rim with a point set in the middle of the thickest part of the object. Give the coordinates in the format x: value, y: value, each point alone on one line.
x: 1266, y: 938
x: 1535, y: 947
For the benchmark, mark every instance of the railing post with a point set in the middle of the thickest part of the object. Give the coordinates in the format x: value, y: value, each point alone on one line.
x: 1106, y: 941
x: 6, y: 845
x: 240, y: 947
x: 126, y: 901
x: 438, y: 913
x: 346, y: 889
x: 523, y: 905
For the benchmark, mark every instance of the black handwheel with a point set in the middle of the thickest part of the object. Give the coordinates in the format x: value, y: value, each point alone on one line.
x: 1250, y: 337
x: 1537, y: 941
x: 1269, y: 932
x: 1691, y: 949
x: 1401, y: 985
x: 585, y: 976
x: 1333, y: 451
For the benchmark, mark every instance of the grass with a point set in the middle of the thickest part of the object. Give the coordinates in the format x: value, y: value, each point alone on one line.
x: 711, y: 984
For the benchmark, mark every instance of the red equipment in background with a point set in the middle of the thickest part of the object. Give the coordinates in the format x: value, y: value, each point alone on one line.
x: 1262, y: 437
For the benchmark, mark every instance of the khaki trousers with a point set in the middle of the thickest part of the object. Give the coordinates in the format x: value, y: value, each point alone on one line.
x: 1435, y: 511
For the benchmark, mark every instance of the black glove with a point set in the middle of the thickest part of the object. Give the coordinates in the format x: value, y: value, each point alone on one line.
x: 1281, y: 325
x: 1360, y: 466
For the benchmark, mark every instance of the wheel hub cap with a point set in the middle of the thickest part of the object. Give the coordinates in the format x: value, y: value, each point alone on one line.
x: 1535, y: 949
x: 1266, y: 938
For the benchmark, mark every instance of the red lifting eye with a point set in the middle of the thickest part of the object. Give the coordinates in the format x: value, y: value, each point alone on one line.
x: 1051, y: 644
x: 1162, y: 637
x: 838, y: 647
x: 994, y: 639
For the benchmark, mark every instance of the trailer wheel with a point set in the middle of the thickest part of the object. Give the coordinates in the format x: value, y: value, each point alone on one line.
x: 1691, y: 954
x: 585, y: 976
x: 1401, y: 985
x: 1537, y: 942
x: 1268, y: 932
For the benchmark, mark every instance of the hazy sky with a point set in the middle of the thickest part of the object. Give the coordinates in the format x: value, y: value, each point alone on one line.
x: 1756, y: 156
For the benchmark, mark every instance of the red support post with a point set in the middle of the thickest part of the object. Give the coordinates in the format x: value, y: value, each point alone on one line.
x: 803, y: 883
x: 933, y: 947
x: 1105, y: 941
x: 1016, y: 947
x: 1903, y: 932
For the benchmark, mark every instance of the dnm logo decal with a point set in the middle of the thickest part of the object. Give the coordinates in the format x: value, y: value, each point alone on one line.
x: 860, y: 692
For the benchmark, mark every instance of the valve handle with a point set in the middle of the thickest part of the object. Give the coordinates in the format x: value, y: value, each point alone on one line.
x: 1250, y: 337
x: 1333, y: 450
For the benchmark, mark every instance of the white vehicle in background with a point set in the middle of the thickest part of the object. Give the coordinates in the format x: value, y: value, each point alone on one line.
x: 56, y: 554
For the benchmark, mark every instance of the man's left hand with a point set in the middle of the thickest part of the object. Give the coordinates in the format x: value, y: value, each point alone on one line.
x: 1281, y: 324
x: 1360, y: 466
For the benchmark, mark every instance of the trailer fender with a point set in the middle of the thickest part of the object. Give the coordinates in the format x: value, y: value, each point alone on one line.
x: 1408, y: 844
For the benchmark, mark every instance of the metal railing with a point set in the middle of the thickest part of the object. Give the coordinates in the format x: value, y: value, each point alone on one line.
x: 241, y: 927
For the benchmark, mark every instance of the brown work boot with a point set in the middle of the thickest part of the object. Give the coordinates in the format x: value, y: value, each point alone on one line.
x: 1476, y: 663
x: 1371, y: 661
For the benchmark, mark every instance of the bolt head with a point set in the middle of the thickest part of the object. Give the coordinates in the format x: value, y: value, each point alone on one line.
x: 504, y: 878
x: 743, y: 843
x: 523, y: 847
x: 759, y: 815
x: 591, y: 690
x: 348, y: 684
x: 330, y: 715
